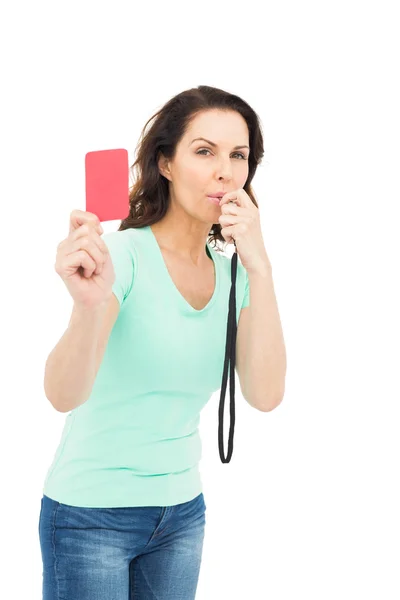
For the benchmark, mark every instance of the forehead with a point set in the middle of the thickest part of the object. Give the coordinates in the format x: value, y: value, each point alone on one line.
x: 219, y: 126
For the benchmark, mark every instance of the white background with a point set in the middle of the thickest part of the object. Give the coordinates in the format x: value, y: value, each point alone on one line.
x: 308, y: 507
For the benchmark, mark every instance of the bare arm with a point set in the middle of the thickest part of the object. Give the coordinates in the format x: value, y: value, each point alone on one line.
x: 261, y: 353
x: 72, y: 365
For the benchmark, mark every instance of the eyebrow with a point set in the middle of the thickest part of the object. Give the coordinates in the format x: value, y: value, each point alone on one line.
x: 214, y: 144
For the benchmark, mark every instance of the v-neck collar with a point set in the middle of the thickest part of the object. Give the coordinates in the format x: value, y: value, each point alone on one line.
x: 183, y: 300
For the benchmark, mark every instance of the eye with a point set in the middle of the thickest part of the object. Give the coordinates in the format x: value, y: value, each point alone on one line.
x: 206, y: 150
x: 203, y: 150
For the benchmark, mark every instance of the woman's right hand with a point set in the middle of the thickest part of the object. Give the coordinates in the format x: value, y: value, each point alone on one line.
x: 84, y: 263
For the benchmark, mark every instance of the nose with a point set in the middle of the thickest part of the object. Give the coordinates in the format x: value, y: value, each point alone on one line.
x: 225, y: 170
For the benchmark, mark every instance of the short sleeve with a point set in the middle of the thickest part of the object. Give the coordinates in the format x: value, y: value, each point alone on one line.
x: 246, y: 297
x: 121, y: 254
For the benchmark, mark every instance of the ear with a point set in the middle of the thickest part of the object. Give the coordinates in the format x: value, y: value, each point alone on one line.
x: 163, y: 166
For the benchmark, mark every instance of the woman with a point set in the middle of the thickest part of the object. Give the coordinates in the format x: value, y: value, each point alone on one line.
x: 123, y: 510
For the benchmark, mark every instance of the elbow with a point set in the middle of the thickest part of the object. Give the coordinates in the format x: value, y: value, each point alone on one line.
x: 57, y: 407
x: 61, y: 409
x: 268, y: 407
x: 50, y: 397
x: 64, y: 405
x: 270, y: 403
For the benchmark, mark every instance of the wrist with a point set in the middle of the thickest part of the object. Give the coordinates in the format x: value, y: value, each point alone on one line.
x: 87, y: 310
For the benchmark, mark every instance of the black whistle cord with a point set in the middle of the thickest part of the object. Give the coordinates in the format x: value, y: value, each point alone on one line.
x: 230, y: 355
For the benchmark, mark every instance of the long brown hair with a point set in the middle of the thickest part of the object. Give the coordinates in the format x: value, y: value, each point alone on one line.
x: 149, y: 195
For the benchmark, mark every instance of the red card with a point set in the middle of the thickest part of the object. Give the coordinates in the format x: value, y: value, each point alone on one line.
x: 107, y: 184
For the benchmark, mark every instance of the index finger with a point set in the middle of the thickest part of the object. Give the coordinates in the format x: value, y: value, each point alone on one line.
x: 81, y: 217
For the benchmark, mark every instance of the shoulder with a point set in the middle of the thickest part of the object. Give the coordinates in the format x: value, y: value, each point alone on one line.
x: 126, y: 240
x: 122, y: 237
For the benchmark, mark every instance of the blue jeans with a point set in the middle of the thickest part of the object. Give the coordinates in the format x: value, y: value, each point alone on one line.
x: 138, y: 553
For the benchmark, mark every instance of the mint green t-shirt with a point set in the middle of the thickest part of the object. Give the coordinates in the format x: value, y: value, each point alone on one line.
x: 135, y: 441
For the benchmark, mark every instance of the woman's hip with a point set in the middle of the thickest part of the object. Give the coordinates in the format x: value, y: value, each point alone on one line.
x: 91, y: 550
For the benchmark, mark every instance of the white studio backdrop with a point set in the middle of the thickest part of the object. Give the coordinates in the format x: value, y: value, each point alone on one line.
x: 308, y: 505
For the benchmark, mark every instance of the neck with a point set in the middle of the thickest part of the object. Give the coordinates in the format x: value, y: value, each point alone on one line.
x: 186, y: 245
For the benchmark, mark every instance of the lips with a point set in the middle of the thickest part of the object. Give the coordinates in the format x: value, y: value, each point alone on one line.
x: 214, y: 200
x: 217, y: 195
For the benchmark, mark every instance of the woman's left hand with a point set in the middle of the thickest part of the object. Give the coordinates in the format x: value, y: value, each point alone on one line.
x: 240, y: 221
